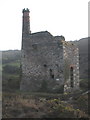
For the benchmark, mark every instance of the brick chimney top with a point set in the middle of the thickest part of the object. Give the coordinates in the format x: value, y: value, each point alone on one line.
x: 25, y: 10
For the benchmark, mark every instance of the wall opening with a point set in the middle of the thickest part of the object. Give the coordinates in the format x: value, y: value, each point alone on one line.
x: 51, y: 74
x: 71, y: 77
x: 45, y: 65
x: 34, y: 46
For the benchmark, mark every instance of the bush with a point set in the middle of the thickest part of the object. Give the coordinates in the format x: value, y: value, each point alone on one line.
x: 59, y: 109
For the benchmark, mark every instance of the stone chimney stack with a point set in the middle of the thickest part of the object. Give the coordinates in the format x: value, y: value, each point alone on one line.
x: 26, y: 22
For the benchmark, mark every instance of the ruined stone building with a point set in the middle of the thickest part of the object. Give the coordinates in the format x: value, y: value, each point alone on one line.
x: 48, y: 62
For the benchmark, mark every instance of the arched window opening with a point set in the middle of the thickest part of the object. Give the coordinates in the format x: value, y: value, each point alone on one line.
x: 71, y: 77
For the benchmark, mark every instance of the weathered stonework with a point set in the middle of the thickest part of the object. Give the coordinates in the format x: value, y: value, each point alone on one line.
x: 71, y: 66
x: 49, y: 59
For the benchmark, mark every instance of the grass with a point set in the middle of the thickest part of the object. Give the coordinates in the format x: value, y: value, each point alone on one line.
x: 33, y: 105
x: 15, y: 63
x: 17, y: 104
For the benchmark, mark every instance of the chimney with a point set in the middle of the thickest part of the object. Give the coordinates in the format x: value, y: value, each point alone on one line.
x: 26, y: 22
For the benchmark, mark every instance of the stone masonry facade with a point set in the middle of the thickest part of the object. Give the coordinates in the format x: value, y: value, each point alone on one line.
x: 48, y: 60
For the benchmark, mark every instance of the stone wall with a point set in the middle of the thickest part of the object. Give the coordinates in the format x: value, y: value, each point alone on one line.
x: 71, y: 61
x: 42, y: 60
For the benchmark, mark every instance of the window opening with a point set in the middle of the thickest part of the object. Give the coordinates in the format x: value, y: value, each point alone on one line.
x: 34, y: 46
x: 71, y: 76
x: 45, y: 65
x: 51, y: 74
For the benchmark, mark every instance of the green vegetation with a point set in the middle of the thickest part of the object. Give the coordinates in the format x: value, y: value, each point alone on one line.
x: 11, y: 70
x: 20, y: 105
x: 38, y: 105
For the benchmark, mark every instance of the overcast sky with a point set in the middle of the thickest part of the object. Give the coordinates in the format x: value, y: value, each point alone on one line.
x: 60, y: 17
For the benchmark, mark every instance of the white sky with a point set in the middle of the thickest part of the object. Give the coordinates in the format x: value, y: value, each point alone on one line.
x: 60, y: 17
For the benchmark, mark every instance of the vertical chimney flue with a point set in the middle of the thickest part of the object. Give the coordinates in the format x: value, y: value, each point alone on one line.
x: 26, y: 21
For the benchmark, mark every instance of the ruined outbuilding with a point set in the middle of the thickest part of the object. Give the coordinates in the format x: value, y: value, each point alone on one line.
x: 49, y: 63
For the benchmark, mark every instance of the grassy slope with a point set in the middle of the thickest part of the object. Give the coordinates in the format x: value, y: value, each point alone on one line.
x: 11, y: 68
x: 17, y: 104
x: 22, y: 105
